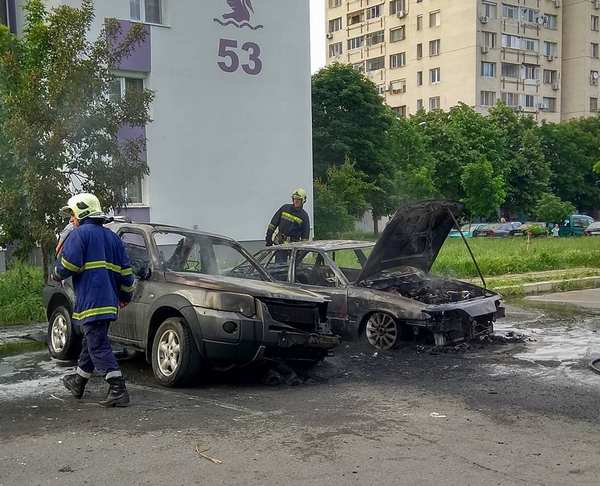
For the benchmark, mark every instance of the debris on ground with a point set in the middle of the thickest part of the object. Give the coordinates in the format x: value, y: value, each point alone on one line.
x: 202, y: 454
x: 66, y: 469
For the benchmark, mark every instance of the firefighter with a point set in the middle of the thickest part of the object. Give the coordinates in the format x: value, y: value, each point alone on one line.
x: 291, y: 221
x: 103, y: 281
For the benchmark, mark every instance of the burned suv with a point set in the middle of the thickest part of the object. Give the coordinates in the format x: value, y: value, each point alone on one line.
x: 384, y: 291
x: 200, y: 301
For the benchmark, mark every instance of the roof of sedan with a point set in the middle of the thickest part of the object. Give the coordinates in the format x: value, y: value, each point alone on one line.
x: 166, y: 227
x: 329, y: 245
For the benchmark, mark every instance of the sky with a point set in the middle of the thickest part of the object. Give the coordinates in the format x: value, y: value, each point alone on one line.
x: 317, y: 34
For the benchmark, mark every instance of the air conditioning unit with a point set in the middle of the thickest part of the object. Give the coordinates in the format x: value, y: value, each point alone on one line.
x: 594, y: 77
x: 485, y: 49
x: 556, y: 86
x: 541, y: 20
x: 329, y: 35
x: 549, y: 58
x: 557, y: 3
x: 541, y: 106
x: 484, y: 19
x: 401, y: 14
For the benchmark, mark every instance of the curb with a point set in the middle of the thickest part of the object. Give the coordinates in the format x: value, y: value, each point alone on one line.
x: 550, y: 286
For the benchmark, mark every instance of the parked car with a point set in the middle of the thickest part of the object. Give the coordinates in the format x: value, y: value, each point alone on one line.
x: 498, y: 230
x: 593, y: 229
x: 575, y: 225
x: 467, y: 230
x: 200, y: 301
x: 384, y: 290
x: 534, y: 229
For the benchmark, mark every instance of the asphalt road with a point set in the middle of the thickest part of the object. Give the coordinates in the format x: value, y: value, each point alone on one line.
x: 518, y: 413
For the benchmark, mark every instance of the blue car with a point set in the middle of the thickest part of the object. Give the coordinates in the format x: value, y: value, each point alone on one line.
x: 467, y: 230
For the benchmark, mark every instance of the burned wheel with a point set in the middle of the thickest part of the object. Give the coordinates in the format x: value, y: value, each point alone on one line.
x: 382, y: 331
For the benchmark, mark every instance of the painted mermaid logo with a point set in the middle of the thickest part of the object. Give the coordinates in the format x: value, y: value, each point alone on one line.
x: 240, y: 15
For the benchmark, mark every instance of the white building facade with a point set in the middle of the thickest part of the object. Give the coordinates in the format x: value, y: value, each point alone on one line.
x: 231, y: 131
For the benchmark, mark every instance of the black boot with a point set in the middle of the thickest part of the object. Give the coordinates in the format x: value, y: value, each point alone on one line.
x: 117, y: 395
x: 75, y: 384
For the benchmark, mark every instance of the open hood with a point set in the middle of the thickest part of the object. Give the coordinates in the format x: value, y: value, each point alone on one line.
x: 412, y: 238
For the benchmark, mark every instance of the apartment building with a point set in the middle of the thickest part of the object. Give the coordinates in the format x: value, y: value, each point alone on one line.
x: 429, y: 54
x: 581, y: 58
x: 232, y: 108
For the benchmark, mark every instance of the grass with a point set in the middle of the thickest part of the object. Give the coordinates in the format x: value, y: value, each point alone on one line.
x: 21, y: 296
x: 515, y: 255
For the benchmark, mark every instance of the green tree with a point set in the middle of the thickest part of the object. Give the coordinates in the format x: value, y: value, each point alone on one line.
x: 552, y: 209
x: 484, y: 191
x: 331, y: 213
x: 350, y: 186
x: 60, y: 124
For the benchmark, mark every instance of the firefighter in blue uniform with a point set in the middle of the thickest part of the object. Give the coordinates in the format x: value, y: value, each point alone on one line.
x: 103, y: 281
x: 291, y: 221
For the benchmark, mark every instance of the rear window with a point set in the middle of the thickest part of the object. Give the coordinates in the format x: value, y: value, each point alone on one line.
x: 351, y: 260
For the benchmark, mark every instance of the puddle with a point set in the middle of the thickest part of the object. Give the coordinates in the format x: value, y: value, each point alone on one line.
x: 9, y: 348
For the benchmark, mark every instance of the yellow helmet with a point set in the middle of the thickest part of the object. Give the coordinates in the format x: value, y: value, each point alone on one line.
x: 83, y: 206
x: 299, y: 194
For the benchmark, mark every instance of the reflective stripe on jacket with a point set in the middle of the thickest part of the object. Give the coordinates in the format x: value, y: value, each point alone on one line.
x: 102, y: 276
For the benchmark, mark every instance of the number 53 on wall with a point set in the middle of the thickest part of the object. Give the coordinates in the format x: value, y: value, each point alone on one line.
x: 229, y: 52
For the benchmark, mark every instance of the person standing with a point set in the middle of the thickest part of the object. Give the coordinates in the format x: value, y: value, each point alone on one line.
x: 291, y: 221
x: 555, y: 231
x: 95, y: 258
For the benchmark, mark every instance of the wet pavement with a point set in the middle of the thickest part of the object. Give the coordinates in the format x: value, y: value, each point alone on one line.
x: 583, y: 298
x: 520, y: 410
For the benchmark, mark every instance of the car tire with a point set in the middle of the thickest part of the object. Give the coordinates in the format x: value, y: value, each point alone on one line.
x: 382, y: 331
x: 63, y: 342
x: 175, y: 359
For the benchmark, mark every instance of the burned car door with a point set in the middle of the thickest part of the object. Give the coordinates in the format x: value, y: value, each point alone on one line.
x: 313, y: 271
x: 129, y: 326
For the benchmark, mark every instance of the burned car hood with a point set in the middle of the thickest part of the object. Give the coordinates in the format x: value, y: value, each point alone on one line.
x: 255, y: 288
x: 413, y: 238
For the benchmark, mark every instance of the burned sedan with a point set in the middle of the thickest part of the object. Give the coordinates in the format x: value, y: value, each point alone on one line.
x: 384, y: 291
x: 200, y: 301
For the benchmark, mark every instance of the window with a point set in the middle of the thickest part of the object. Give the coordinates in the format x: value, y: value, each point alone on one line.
x: 511, y: 41
x: 529, y: 15
x: 398, y: 60
x: 529, y: 101
x: 594, y: 76
x: 488, y: 69
x: 4, y: 12
x: 419, y: 104
x: 375, y: 64
x: 550, y: 48
x: 549, y: 104
x: 435, y: 75
x: 356, y: 18
x: 489, y: 39
x: 356, y: 42
x: 335, y: 25
x: 489, y: 10
x: 488, y: 98
x: 419, y: 22
x: 400, y: 111
x: 595, y: 23
x: 375, y: 38
x: 594, y: 105
x: 419, y: 51
x: 397, y: 6
x: 335, y: 3
x: 434, y: 47
x: 510, y: 11
x: 531, y: 71
x: 146, y: 11
x: 398, y: 86
x: 276, y: 263
x: 374, y: 12
x: 551, y: 21
x: 550, y: 76
x: 398, y: 34
x: 510, y: 70
x: 197, y: 253
x: 133, y: 192
x: 335, y: 49
x: 419, y: 78
x: 137, y: 251
x: 595, y: 50
x: 359, y: 66
x: 435, y: 19
x: 381, y: 88
x: 311, y: 269
x: 510, y: 99
x: 120, y: 87
x: 530, y: 44
x: 434, y: 103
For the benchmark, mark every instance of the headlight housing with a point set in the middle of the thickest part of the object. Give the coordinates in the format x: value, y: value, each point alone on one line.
x: 231, y: 302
